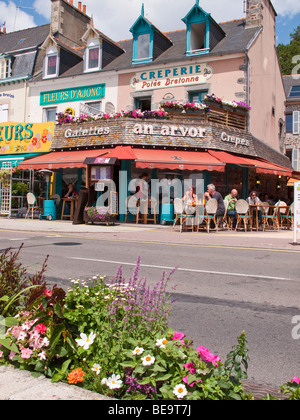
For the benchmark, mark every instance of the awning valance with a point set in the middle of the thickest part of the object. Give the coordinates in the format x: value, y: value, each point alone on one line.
x: 174, y: 159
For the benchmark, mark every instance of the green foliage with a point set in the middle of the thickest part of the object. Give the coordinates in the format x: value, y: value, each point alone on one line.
x: 237, y: 360
x: 287, y: 52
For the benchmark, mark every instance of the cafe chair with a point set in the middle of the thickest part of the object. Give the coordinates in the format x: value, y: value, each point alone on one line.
x: 287, y: 218
x: 210, y: 213
x: 153, y: 207
x: 131, y: 207
x: 271, y: 220
x: 185, y: 220
x: 32, y: 205
x: 242, y: 212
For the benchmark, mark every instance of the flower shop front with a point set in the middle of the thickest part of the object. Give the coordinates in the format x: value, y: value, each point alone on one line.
x: 210, y: 144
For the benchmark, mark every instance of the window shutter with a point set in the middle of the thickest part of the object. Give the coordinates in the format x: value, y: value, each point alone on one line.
x: 295, y: 159
x: 3, y: 113
x: 296, y: 122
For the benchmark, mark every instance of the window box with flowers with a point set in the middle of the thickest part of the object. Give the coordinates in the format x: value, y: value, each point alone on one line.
x: 213, y: 101
x: 175, y: 108
x: 98, y: 215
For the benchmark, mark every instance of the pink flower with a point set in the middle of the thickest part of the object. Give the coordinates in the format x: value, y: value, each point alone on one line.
x: 41, y: 328
x: 42, y: 355
x: 207, y: 356
x: 48, y: 293
x: 185, y: 380
x: 295, y: 379
x: 191, y: 367
x: 178, y: 336
x: 25, y: 353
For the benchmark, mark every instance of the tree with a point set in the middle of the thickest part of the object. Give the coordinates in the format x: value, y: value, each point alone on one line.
x: 287, y: 52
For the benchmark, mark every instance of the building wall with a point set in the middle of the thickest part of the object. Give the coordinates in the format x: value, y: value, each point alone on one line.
x: 15, y: 96
x: 227, y: 82
x: 35, y: 110
x: 267, y: 96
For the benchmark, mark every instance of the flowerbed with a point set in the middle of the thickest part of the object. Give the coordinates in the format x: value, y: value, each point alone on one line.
x: 98, y: 215
x: 112, y: 337
x: 63, y: 118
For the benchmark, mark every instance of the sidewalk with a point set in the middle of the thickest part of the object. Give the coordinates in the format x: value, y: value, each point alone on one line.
x: 156, y: 233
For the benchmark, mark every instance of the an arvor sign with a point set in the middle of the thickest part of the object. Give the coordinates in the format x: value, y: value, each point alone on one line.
x: 174, y: 76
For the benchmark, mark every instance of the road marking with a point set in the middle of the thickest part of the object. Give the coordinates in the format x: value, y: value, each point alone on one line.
x: 220, y: 273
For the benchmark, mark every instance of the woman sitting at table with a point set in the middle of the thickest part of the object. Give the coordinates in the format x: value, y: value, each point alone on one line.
x: 253, y: 199
x: 71, y: 193
x: 190, y: 199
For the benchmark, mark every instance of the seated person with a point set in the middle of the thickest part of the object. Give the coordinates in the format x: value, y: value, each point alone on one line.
x: 190, y: 200
x: 254, y: 199
x: 212, y: 193
x: 71, y: 193
x: 232, y: 199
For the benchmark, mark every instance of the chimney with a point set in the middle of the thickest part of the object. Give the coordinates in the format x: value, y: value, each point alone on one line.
x: 254, y: 13
x: 3, y: 30
x: 84, y: 9
x: 69, y: 20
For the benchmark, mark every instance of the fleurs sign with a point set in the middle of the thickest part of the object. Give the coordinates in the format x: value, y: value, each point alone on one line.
x: 174, y: 76
x: 26, y: 138
x: 83, y: 93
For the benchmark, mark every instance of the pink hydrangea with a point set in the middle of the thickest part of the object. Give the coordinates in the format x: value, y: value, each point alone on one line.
x: 207, y: 356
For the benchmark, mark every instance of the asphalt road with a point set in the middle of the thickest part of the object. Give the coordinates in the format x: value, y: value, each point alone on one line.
x: 218, y: 290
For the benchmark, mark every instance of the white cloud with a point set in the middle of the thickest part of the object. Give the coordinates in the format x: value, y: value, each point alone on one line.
x: 115, y: 17
x: 287, y: 8
x: 14, y: 19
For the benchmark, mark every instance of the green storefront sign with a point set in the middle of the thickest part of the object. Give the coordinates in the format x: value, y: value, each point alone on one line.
x: 82, y: 93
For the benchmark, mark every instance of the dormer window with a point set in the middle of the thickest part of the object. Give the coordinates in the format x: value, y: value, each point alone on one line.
x: 202, y: 32
x: 148, y: 41
x: 92, y: 58
x: 51, y: 63
x: 5, y: 67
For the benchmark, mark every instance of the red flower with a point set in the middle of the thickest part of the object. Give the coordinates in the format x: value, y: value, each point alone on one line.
x: 41, y: 328
x: 48, y: 293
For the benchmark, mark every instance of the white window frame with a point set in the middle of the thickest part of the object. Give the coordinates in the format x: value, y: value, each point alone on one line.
x: 296, y: 122
x: 46, y: 112
x: 91, y: 45
x: 5, y: 68
x: 3, y: 113
x: 51, y: 52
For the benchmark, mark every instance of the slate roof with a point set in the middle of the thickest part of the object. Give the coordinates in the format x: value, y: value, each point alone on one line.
x: 237, y: 40
x: 24, y: 39
x: 289, y: 82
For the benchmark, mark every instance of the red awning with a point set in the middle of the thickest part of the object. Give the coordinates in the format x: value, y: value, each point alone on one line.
x: 74, y: 158
x: 227, y: 158
x: 174, y: 159
x: 265, y: 167
x: 262, y: 166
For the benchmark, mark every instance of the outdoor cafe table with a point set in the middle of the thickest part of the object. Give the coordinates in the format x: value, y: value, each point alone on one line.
x: 261, y: 206
x: 195, y: 213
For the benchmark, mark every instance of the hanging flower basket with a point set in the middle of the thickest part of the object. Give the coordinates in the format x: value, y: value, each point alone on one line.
x: 98, y: 215
x: 5, y: 177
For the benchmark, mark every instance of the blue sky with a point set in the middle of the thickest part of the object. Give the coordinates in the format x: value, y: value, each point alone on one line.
x: 115, y: 17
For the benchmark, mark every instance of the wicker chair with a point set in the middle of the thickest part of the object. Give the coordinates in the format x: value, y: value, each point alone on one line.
x: 210, y: 213
x: 242, y: 211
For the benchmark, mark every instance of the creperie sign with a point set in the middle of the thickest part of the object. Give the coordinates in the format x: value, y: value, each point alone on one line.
x: 174, y: 76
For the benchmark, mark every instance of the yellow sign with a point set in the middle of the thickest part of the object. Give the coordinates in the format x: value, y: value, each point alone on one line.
x: 26, y: 137
x: 70, y: 111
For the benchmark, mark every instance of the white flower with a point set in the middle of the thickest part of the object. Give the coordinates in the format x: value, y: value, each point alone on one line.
x: 148, y: 360
x: 42, y: 355
x: 180, y: 391
x: 85, y: 341
x: 96, y: 368
x: 114, y: 382
x: 138, y: 351
x: 161, y: 343
x: 104, y: 381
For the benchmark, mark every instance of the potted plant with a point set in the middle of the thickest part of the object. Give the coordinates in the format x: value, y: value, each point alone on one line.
x: 98, y: 215
x: 5, y: 177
